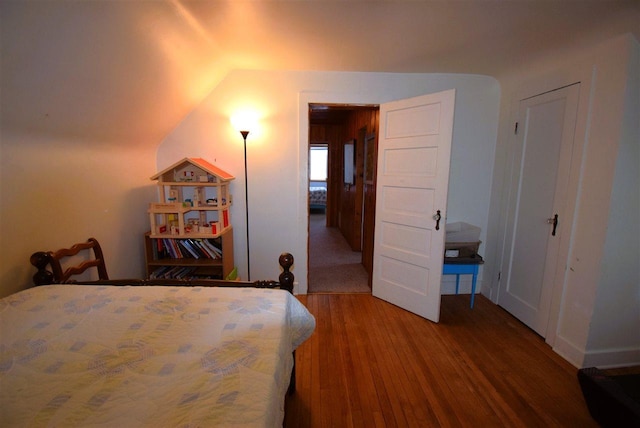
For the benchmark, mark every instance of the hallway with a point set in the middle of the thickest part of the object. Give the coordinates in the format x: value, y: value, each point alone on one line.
x: 333, y: 266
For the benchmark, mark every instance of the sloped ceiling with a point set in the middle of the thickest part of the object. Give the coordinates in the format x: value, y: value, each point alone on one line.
x: 129, y: 71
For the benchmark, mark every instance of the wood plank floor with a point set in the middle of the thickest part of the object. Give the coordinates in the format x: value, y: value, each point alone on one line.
x: 372, y: 364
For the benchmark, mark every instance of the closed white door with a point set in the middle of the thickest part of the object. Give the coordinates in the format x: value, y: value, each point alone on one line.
x: 412, y: 182
x: 538, y: 211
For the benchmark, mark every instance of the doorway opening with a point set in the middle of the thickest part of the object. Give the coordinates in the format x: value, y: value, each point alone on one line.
x: 340, y: 232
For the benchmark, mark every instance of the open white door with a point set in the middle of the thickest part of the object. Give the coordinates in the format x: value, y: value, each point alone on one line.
x: 413, y: 176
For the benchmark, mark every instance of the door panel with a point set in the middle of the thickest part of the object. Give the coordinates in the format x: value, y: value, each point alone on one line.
x: 410, y: 277
x: 410, y: 162
x: 411, y: 244
x: 542, y: 163
x: 415, y: 120
x: 408, y: 205
x: 412, y: 178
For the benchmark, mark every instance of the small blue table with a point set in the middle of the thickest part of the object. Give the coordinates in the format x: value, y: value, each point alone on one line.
x: 461, y: 268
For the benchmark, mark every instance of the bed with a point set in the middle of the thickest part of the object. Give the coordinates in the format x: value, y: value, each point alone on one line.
x: 317, y: 198
x: 184, y: 353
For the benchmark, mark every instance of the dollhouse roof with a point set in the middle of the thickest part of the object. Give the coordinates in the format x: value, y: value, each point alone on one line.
x: 198, y: 163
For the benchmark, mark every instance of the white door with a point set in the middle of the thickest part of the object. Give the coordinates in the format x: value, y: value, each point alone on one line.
x: 538, y: 209
x: 413, y: 176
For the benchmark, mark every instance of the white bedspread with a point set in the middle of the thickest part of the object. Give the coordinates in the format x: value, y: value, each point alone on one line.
x: 74, y: 355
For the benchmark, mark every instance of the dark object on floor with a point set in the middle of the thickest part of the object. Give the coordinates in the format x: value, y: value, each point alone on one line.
x: 613, y: 401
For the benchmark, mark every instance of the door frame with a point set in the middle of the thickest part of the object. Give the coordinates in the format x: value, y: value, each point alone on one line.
x: 304, y: 99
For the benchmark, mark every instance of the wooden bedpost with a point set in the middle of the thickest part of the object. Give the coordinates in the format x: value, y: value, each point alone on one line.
x: 286, y: 278
x: 43, y: 276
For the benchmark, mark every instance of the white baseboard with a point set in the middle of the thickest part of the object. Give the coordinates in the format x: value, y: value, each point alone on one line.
x: 569, y: 352
x: 602, y: 358
x: 611, y: 358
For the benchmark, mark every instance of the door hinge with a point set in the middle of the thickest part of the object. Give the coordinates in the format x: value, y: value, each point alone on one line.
x: 515, y: 131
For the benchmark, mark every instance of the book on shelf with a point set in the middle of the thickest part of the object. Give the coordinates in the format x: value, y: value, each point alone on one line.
x: 184, y: 243
x: 172, y: 248
x: 207, y: 251
x: 213, y: 249
x: 159, y: 272
x: 180, y: 272
x: 180, y: 248
x: 168, y: 272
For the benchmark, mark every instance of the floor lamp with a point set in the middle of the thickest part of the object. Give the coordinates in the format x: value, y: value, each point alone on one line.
x: 246, y: 201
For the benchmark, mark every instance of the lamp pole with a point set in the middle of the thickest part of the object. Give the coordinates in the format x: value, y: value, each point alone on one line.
x: 246, y: 201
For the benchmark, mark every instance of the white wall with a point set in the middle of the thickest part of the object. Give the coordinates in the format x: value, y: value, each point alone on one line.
x: 89, y: 89
x: 277, y: 155
x: 613, y: 340
x: 606, y: 130
x: 56, y: 192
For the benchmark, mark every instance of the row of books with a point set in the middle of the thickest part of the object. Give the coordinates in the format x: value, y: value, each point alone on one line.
x: 188, y: 248
x: 179, y: 272
x: 167, y: 272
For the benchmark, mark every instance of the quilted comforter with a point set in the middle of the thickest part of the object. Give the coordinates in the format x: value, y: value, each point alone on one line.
x: 74, y: 355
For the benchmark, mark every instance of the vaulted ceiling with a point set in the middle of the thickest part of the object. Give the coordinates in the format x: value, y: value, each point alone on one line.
x: 131, y: 70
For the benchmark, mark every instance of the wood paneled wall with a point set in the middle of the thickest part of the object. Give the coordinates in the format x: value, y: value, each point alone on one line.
x: 344, y: 204
x: 360, y: 123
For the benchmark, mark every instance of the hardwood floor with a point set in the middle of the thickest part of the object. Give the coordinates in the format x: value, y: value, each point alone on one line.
x: 372, y: 364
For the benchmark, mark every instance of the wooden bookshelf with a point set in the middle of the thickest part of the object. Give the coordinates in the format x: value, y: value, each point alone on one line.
x: 158, y: 256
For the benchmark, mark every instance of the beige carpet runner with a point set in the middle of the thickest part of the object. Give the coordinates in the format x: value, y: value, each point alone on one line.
x: 333, y: 266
